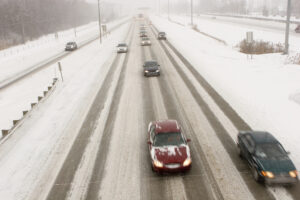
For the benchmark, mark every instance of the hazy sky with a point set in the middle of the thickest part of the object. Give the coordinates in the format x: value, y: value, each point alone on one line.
x: 130, y: 2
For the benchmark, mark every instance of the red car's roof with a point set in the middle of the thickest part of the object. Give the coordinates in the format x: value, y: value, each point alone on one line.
x: 166, y: 126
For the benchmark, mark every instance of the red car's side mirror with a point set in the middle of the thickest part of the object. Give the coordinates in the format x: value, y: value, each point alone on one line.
x: 188, y: 140
x: 149, y: 142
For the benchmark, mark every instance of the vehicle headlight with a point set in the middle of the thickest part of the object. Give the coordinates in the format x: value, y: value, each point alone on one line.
x: 157, y: 70
x: 157, y: 164
x: 267, y: 174
x: 187, y: 162
x: 293, y: 174
x: 146, y: 71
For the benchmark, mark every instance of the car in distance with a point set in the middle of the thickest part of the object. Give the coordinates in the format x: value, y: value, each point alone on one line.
x: 268, y: 160
x: 161, y: 36
x: 297, y: 30
x: 168, y: 147
x: 143, y: 34
x: 122, y: 48
x: 145, y: 41
x: 71, y: 46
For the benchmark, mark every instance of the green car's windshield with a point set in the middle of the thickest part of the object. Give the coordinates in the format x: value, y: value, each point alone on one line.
x: 271, y: 150
x: 166, y: 139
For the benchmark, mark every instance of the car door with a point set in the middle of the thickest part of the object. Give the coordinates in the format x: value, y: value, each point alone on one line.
x: 242, y: 144
x: 246, y: 146
x: 250, y: 148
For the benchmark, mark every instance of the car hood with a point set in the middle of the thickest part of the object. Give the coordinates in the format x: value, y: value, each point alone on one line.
x: 171, y: 154
x: 277, y: 165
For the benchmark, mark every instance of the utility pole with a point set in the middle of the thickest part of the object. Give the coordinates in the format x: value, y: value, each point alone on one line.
x: 99, y: 15
x: 287, y: 29
x: 192, y: 23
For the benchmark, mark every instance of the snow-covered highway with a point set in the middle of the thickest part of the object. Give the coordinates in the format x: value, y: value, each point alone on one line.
x: 88, y: 140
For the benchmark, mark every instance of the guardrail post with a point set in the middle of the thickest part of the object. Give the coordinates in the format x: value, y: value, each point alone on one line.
x: 15, y: 122
x: 5, y: 132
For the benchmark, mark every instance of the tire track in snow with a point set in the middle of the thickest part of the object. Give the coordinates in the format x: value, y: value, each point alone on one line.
x: 259, y: 191
x: 196, y: 177
x: 66, y: 175
x: 98, y: 170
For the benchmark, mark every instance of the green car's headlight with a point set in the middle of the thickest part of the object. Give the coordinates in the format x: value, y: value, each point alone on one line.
x: 267, y: 174
x: 293, y: 173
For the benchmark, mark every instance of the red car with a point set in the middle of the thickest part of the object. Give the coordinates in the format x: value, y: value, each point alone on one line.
x: 168, y: 147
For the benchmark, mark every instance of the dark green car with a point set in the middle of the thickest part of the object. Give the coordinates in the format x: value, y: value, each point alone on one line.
x: 268, y: 160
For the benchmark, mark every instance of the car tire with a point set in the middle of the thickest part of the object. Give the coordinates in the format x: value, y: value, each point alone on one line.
x: 240, y: 151
x: 256, y: 175
x: 152, y: 168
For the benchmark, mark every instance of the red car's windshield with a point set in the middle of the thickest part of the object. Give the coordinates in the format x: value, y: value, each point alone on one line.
x: 166, y: 139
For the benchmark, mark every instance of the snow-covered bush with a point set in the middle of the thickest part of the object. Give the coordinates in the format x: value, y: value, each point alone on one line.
x: 260, y: 47
x: 294, y: 59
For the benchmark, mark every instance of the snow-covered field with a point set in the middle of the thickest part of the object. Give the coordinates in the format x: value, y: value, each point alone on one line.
x: 260, y: 90
x: 18, y: 98
x: 233, y: 30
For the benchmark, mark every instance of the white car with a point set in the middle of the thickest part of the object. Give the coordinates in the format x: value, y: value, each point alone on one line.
x: 145, y: 41
x: 122, y: 48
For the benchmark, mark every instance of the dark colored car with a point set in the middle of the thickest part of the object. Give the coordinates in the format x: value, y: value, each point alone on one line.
x: 297, y: 30
x: 151, y: 68
x: 168, y: 147
x: 70, y: 46
x: 122, y: 48
x: 161, y: 36
x: 268, y: 160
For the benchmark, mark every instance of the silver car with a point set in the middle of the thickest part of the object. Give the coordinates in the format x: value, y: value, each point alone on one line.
x: 122, y: 48
x: 145, y: 41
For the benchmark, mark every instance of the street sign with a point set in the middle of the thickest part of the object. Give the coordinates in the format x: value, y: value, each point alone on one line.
x: 249, y: 37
